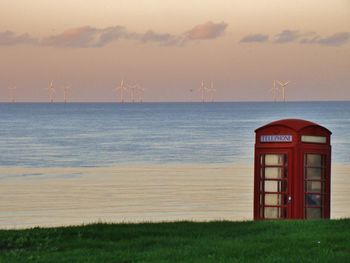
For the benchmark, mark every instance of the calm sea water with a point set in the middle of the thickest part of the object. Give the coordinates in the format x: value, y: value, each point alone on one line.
x: 92, y: 134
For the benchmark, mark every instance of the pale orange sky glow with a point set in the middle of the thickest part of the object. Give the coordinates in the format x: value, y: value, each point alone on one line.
x: 168, y: 47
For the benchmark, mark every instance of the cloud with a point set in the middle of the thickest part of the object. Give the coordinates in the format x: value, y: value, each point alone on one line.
x: 110, y: 34
x: 8, y: 38
x: 206, y: 31
x: 287, y: 36
x: 336, y: 39
x: 254, y: 38
x: 90, y: 37
x: 85, y: 37
x: 165, y: 39
x: 310, y: 38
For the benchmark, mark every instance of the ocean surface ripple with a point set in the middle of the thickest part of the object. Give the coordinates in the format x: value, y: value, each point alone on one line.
x: 106, y: 134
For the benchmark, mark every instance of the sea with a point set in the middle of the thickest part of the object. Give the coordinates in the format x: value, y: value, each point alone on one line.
x: 108, y: 134
x: 80, y: 163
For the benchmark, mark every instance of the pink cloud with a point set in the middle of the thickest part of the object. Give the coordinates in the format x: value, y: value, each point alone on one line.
x: 86, y: 36
x: 92, y: 37
x: 206, y: 31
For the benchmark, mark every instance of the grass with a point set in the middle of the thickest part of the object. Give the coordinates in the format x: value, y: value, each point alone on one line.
x: 263, y: 241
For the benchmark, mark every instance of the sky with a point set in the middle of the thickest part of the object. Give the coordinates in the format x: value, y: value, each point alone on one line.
x: 168, y: 48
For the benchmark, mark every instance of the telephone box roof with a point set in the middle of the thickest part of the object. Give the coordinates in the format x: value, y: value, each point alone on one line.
x: 294, y: 124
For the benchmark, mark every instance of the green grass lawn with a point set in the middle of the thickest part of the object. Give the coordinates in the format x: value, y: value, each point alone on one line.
x: 264, y: 241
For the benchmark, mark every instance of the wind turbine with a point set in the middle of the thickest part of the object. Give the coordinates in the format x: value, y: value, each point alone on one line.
x: 211, y: 90
x: 283, y: 86
x: 274, y: 89
x: 12, y: 93
x: 203, y: 90
x: 51, y: 91
x: 139, y: 92
x: 122, y: 88
x: 65, y: 92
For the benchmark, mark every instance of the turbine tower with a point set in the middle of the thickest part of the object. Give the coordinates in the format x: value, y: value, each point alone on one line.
x: 51, y: 91
x: 122, y: 88
x: 65, y: 93
x: 283, y: 86
x: 140, y: 91
x: 274, y: 90
x: 132, y: 89
x: 211, y: 91
x: 12, y: 93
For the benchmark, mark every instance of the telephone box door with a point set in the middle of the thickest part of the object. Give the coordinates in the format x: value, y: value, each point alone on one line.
x: 275, y: 181
x: 316, y: 184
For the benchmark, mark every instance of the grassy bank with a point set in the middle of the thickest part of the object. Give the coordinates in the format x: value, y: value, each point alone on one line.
x: 288, y: 241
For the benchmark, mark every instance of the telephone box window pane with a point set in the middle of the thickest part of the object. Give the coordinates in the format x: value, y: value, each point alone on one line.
x: 313, y: 213
x: 274, y: 159
x: 314, y: 160
x: 273, y: 172
x: 272, y: 212
x: 275, y: 186
x: 314, y: 139
x: 312, y: 200
x: 272, y: 186
x: 273, y: 199
x: 313, y: 186
x: 314, y: 173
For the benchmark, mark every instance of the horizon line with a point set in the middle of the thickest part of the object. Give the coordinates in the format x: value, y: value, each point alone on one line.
x: 153, y: 102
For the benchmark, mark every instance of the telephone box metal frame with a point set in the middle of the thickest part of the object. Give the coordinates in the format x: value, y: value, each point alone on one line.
x: 299, y: 140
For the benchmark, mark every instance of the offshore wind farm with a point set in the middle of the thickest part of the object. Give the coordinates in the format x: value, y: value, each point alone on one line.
x: 126, y: 92
x: 135, y: 93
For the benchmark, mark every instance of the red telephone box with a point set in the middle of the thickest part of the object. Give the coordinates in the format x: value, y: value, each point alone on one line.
x: 292, y: 170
